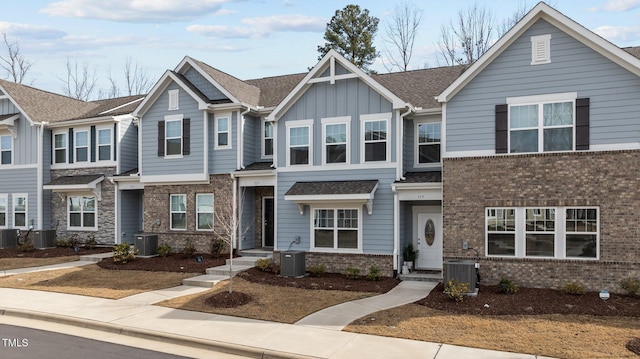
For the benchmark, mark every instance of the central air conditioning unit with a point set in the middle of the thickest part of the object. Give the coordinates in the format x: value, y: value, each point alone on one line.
x: 147, y: 244
x: 462, y: 270
x: 8, y: 238
x: 292, y: 264
x: 43, y: 238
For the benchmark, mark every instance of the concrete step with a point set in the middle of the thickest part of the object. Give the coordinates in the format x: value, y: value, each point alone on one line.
x: 224, y: 270
x: 205, y: 281
x: 244, y: 261
x: 96, y: 257
x: 260, y: 253
x: 422, y: 277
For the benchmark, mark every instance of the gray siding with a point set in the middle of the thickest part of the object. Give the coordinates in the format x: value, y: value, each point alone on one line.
x: 19, y: 181
x: 25, y: 146
x: 252, y: 140
x: 130, y: 211
x: 152, y: 164
x: 202, y: 84
x: 350, y: 97
x: 408, y: 146
x: 613, y: 91
x: 377, y: 229
x: 47, y: 218
x: 223, y: 160
x: 128, y: 155
x: 248, y: 220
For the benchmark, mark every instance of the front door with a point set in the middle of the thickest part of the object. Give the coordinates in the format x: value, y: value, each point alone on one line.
x: 267, y: 222
x: 429, y: 237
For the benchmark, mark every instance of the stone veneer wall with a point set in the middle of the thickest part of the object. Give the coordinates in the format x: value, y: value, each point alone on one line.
x: 156, y: 207
x: 261, y: 192
x: 106, y: 207
x: 339, y: 262
x: 609, y: 180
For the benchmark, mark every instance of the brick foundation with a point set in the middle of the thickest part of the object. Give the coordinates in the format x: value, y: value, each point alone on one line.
x: 339, y: 262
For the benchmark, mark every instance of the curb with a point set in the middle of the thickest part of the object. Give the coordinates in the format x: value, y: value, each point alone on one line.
x: 218, y: 346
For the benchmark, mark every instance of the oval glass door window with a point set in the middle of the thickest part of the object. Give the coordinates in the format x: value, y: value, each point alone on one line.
x: 429, y: 232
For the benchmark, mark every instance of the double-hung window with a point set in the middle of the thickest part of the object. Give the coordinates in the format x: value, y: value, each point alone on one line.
x: 6, y: 150
x: 581, y: 232
x: 204, y: 212
x: 20, y: 207
x: 336, y: 136
x: 223, y: 132
x: 82, y: 212
x: 336, y: 229
x: 501, y: 232
x: 375, y: 138
x: 60, y: 144
x: 540, y: 232
x: 542, y: 124
x: 104, y: 144
x: 81, y: 146
x: 299, y: 142
x: 428, y: 142
x: 4, y: 206
x: 178, y: 212
x: 173, y: 137
x: 267, y: 139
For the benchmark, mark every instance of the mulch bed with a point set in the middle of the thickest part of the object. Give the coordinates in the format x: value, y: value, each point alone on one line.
x: 533, y: 301
x: 328, y: 281
x: 14, y: 252
x: 634, y: 345
x: 175, y: 262
x: 228, y: 300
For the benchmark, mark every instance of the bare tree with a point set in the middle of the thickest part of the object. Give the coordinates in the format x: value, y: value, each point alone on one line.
x: 81, y: 80
x: 464, y: 41
x: 14, y: 63
x: 400, y: 34
x: 517, y: 15
x: 138, y: 79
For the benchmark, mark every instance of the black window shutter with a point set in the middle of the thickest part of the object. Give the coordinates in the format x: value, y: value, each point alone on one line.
x: 582, y: 124
x: 186, y: 136
x: 161, y: 138
x: 94, y: 144
x: 52, y: 153
x: 71, y: 145
x: 115, y: 141
x: 502, y: 129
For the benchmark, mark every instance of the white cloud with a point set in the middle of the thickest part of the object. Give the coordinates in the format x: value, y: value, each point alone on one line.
x: 226, y: 32
x: 618, y: 5
x: 28, y: 31
x: 135, y: 11
x: 294, y: 23
x: 618, y: 33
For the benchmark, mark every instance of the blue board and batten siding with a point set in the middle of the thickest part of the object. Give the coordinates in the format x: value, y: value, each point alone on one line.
x: 21, y: 181
x: 613, y: 91
x: 252, y: 139
x: 193, y: 163
x: 128, y: 155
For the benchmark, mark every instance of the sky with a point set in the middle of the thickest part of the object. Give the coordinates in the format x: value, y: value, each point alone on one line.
x: 245, y: 38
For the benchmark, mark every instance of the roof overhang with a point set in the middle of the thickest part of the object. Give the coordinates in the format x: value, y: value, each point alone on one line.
x: 75, y: 184
x: 418, y: 191
x: 127, y: 182
x: 157, y: 89
x: 83, y: 121
x: 256, y: 178
x: 189, y: 62
x: 302, y: 199
x: 8, y: 122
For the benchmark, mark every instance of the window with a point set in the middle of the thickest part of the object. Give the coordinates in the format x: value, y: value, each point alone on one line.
x: 204, y: 212
x: 3, y: 210
x: 375, y: 140
x: 82, y: 212
x: 548, y: 232
x: 60, y: 147
x: 541, y: 127
x: 6, y: 150
x: 428, y: 142
x: 540, y: 49
x: 267, y: 139
x: 20, y: 210
x: 336, y: 229
x: 81, y: 145
x: 223, y: 132
x: 173, y: 99
x: 178, y: 209
x: 104, y: 144
x: 173, y: 137
x: 336, y: 135
x: 299, y: 143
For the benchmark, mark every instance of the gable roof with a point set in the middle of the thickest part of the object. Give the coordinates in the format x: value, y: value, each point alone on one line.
x: 274, y: 89
x: 115, y: 106
x: 237, y: 90
x: 543, y: 11
x: 164, y: 81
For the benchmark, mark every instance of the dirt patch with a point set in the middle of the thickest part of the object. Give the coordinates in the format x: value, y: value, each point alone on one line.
x: 533, y: 301
x: 634, y: 345
x: 175, y: 262
x: 14, y: 252
x: 225, y: 299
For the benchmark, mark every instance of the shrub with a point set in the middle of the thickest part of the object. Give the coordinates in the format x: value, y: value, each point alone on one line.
x: 573, y: 288
x: 164, y: 251
x: 189, y: 249
x: 630, y: 285
x: 317, y: 270
x: 374, y: 273
x: 217, y: 245
x: 26, y: 247
x: 74, y: 240
x: 264, y: 264
x: 123, y: 253
x: 91, y: 242
x: 507, y: 286
x: 61, y: 243
x: 456, y: 290
x: 352, y: 273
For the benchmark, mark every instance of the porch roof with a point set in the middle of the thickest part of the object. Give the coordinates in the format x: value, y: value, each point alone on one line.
x: 331, y: 192
x: 422, y: 177
x: 80, y: 183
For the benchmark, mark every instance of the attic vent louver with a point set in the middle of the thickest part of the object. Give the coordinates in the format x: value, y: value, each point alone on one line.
x: 540, y: 49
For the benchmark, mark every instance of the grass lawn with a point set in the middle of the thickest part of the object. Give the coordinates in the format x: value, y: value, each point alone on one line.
x: 15, y: 263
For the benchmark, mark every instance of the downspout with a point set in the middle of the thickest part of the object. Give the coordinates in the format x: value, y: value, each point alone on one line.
x: 396, y: 231
x: 40, y: 174
x: 234, y: 235
x: 240, y: 138
x: 400, y: 150
x: 275, y: 188
x: 116, y: 213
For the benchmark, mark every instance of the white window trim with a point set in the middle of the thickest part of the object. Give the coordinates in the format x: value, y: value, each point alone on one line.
x: 296, y: 124
x: 167, y: 119
x: 5, y: 197
x: 374, y: 118
x: 11, y: 149
x: 174, y: 100
x: 76, y: 147
x: 559, y: 239
x: 346, y: 120
x: 545, y: 42
x: 66, y: 147
x: 541, y: 100
x: 335, y: 249
x: 213, y: 220
x: 416, y: 160
x: 264, y: 138
x: 98, y: 145
x: 229, y: 132
x: 171, y: 212
x: 14, y: 197
x: 82, y: 227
